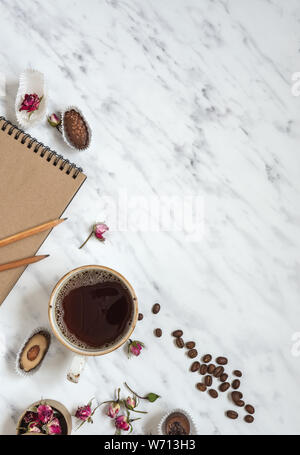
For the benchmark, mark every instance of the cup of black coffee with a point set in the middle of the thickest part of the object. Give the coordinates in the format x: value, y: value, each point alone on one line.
x: 92, y: 311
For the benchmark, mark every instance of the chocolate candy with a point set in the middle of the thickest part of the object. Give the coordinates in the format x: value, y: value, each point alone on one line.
x: 236, y: 384
x: 250, y: 409
x: 249, y: 419
x: 140, y: 316
x: 190, y: 344
x: 208, y: 380
x: 207, y: 358
x: 158, y: 332
x: 238, y: 373
x: 76, y: 129
x: 195, y: 366
x: 225, y: 386
x: 232, y: 415
x: 180, y: 342
x: 156, y: 308
x: 192, y: 353
x: 200, y: 386
x: 221, y: 361
x: 213, y: 393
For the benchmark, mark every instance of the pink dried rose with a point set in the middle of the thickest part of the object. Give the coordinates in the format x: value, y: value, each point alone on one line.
x: 84, y: 413
x: 113, y: 409
x: 122, y: 423
x: 130, y: 403
x: 98, y: 230
x: 54, y: 120
x: 30, y: 103
x: 45, y: 413
x: 33, y: 427
x: 30, y: 417
x: 54, y: 427
x: 135, y: 347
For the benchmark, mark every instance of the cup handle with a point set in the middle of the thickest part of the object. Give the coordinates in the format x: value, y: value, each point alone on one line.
x: 76, y: 368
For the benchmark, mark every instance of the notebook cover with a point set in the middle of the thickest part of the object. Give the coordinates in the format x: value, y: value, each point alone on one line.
x: 33, y: 191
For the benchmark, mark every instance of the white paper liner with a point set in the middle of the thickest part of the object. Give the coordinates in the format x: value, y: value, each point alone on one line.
x: 31, y: 81
x: 19, y: 370
x: 64, y: 133
x: 194, y: 428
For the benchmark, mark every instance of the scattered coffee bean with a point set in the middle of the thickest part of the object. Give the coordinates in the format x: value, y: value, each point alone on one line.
x: 177, y: 333
x: 208, y: 381
x: 238, y: 373
x: 249, y: 419
x: 213, y: 393
x: 223, y: 377
x: 211, y: 368
x: 236, y: 396
x: 190, y: 344
x: 158, y: 332
x: 156, y: 308
x: 140, y: 316
x: 250, y: 409
x: 225, y: 386
x: 203, y: 369
x: 221, y: 361
x: 240, y: 403
x: 200, y: 386
x: 195, y: 366
x: 192, y: 353
x: 232, y: 415
x: 218, y: 372
x: 180, y: 342
x: 207, y: 358
x: 236, y: 384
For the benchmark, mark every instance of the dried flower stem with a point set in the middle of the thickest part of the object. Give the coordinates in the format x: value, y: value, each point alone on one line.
x: 87, y: 240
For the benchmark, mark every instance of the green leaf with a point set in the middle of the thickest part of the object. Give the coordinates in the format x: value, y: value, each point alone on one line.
x: 152, y: 397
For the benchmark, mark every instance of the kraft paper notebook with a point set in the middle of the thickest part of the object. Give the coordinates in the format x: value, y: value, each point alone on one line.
x: 36, y: 186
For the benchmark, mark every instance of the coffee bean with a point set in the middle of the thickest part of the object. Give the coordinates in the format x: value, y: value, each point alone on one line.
x: 140, y: 316
x: 195, y: 366
x: 232, y: 415
x: 203, y: 369
x: 180, y: 342
x: 200, y: 386
x: 240, y: 403
x: 223, y: 377
x: 207, y: 358
x: 221, y: 361
x: 225, y: 386
x: 208, y: 381
x: 249, y: 419
x: 238, y: 373
x: 177, y: 333
x: 236, y: 396
x: 190, y: 344
x: 218, y: 372
x: 156, y: 308
x: 211, y: 368
x: 158, y: 332
x: 192, y: 353
x: 250, y: 409
x: 213, y: 393
x: 236, y: 384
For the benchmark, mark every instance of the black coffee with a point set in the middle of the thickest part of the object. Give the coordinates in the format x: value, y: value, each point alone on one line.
x: 98, y: 314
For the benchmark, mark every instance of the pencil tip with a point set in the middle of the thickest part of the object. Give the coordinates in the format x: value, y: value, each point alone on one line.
x: 64, y: 219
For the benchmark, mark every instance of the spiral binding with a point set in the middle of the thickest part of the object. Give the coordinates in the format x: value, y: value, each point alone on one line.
x: 65, y: 163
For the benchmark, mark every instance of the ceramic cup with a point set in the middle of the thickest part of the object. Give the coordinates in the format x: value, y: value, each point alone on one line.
x: 81, y: 354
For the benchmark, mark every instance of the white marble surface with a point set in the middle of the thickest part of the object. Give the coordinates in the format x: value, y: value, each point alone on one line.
x: 185, y: 97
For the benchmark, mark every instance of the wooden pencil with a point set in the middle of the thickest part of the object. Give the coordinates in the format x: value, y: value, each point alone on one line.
x: 22, y: 262
x: 29, y: 232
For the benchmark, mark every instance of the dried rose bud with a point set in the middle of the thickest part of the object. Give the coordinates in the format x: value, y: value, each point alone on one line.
x: 33, y: 427
x: 122, y: 423
x: 54, y: 120
x: 45, y: 413
x: 98, y: 230
x: 130, y: 403
x: 113, y: 409
x: 84, y: 413
x: 135, y: 347
x: 53, y: 427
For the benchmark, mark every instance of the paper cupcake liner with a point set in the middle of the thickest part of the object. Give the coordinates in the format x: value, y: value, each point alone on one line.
x: 64, y: 133
x: 31, y: 81
x: 194, y: 427
x: 19, y: 370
